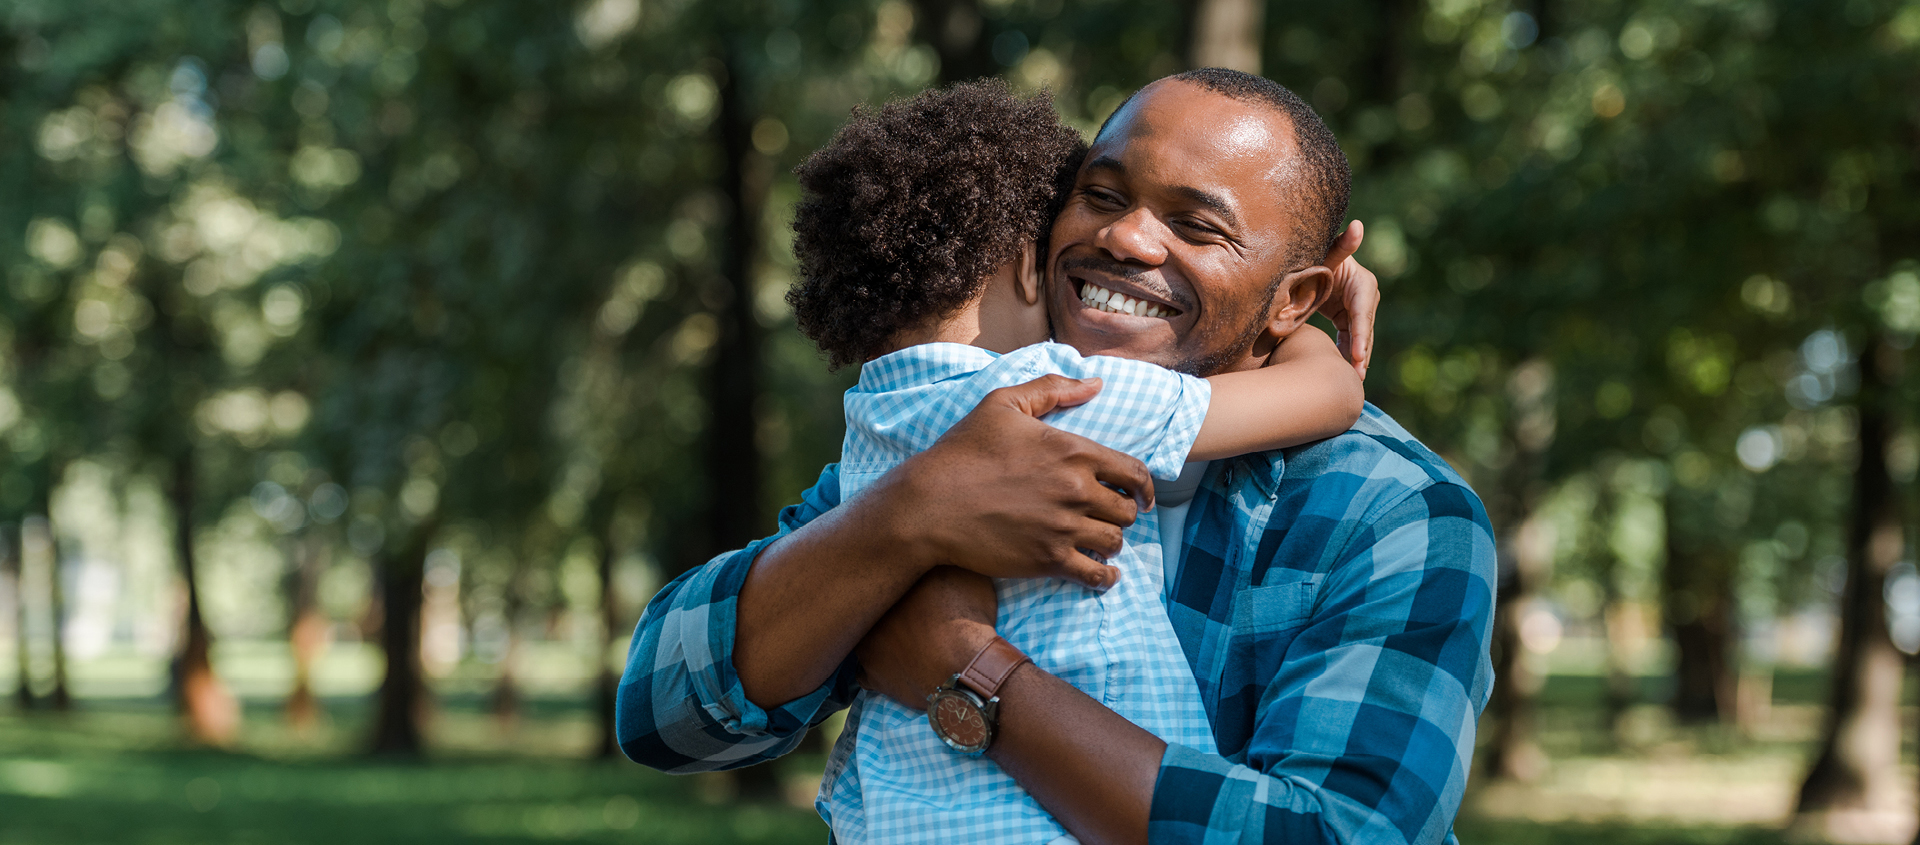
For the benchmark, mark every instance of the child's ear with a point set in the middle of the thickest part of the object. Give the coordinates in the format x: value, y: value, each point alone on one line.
x: 1028, y: 275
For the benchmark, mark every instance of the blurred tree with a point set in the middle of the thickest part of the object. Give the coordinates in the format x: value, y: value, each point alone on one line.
x: 1227, y: 33
x: 606, y: 681
x: 46, y: 380
x: 306, y: 626
x: 16, y: 576
x: 178, y: 358
x: 62, y: 696
x: 211, y: 711
x: 732, y: 463
x: 961, y: 36
x: 1857, y: 769
x: 1852, y: 202
x: 414, y: 276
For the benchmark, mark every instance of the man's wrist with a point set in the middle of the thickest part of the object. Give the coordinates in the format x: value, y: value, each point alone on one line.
x: 1017, y: 698
x: 968, y: 640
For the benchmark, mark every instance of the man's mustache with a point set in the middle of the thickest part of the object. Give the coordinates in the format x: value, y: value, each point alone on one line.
x: 1147, y: 279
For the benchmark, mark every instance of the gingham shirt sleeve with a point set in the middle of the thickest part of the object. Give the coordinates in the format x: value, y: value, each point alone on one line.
x: 1368, y: 726
x: 680, y: 707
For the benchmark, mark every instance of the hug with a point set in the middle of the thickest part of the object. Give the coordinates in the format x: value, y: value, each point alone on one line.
x: 1115, y: 551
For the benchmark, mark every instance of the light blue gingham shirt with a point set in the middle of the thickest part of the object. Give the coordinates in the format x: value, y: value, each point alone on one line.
x: 889, y: 778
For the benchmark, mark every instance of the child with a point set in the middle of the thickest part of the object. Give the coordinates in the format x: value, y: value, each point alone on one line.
x: 919, y: 241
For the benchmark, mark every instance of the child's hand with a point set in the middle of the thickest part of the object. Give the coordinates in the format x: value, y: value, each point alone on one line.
x: 1355, y: 298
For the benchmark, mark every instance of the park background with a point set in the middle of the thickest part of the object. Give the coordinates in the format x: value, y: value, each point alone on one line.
x: 365, y: 365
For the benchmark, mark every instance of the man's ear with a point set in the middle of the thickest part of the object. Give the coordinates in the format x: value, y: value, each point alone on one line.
x: 1027, y: 277
x: 1300, y: 294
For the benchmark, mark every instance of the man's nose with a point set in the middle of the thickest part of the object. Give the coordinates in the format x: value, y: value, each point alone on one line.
x: 1137, y: 237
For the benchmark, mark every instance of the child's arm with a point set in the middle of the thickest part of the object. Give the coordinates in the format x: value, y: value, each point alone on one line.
x: 1306, y: 392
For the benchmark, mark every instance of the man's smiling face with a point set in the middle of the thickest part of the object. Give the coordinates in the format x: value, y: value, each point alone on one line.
x: 1178, y: 229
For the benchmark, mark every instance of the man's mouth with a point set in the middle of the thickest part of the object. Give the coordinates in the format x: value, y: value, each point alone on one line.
x: 1113, y: 302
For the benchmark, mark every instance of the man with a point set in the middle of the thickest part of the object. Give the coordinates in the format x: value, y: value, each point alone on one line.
x: 1334, y: 600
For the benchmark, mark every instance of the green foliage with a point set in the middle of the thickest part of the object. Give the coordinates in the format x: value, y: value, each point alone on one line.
x: 389, y: 268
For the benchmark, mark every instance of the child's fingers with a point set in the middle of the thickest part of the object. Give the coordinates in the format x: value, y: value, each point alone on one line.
x: 1345, y: 245
x: 1363, y: 306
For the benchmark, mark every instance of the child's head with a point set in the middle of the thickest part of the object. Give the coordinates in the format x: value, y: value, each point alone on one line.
x: 909, y: 210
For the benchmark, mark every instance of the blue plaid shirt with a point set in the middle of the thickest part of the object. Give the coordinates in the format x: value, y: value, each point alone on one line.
x: 1335, y: 601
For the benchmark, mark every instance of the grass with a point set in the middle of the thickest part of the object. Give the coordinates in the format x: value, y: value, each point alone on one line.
x: 115, y: 772
x: 112, y: 774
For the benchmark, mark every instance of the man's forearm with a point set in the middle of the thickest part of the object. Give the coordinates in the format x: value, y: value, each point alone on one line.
x: 812, y: 595
x: 1087, y: 765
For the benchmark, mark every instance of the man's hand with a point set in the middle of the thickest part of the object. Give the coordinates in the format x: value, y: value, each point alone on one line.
x: 1008, y: 496
x: 927, y: 637
x: 1355, y: 299
x: 1002, y: 494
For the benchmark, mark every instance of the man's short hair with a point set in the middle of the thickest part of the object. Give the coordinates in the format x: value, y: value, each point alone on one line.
x: 909, y: 210
x: 1324, y: 180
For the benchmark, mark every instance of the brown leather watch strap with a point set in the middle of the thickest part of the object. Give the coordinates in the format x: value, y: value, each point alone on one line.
x: 992, y: 666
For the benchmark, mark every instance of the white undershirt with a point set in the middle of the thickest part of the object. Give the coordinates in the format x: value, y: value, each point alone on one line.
x: 1171, y: 500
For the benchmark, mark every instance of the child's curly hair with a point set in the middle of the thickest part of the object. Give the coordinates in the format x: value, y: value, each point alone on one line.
x: 909, y: 210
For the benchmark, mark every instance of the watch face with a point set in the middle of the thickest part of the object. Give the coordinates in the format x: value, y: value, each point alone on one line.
x: 959, y: 722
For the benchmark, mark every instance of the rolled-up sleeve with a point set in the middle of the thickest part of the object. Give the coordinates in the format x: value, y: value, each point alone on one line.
x: 1366, y: 732
x: 680, y: 706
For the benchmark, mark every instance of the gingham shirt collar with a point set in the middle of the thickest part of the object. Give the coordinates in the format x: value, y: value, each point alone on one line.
x: 922, y: 364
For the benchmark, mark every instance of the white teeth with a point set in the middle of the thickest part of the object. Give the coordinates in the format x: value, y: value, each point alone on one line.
x: 1114, y: 302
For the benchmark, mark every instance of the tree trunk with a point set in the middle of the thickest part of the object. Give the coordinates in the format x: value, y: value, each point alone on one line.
x: 504, y: 701
x: 1513, y: 753
x: 1616, y: 621
x: 211, y: 713
x: 1227, y: 33
x: 1387, y: 73
x: 1853, y: 789
x: 732, y: 455
x: 48, y: 542
x: 306, y: 633
x: 397, y: 726
x: 62, y: 696
x: 958, y: 34
x: 1623, y: 687
x: 732, y: 463
x: 1525, y: 547
x: 1916, y: 832
x: 11, y: 556
x: 609, y: 680
x: 1697, y: 584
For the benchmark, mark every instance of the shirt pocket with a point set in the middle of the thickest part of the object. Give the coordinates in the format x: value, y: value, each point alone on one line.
x: 1275, y: 606
x: 1265, y: 622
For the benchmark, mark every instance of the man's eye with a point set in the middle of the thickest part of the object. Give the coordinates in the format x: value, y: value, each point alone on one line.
x: 1198, y: 229
x: 1101, y: 197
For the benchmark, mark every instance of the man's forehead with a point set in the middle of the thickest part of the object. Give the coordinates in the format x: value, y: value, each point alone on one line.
x: 1201, y: 132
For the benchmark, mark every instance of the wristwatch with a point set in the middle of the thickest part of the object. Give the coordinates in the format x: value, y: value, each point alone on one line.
x: 965, y: 710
